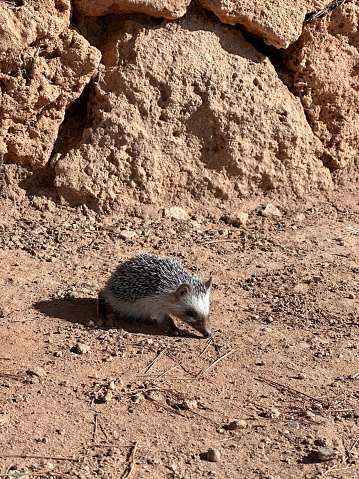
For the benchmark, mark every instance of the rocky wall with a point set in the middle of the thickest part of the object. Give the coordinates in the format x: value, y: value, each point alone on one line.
x: 181, y: 108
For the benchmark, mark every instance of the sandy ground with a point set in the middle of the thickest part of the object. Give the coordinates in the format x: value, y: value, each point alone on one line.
x: 284, y: 311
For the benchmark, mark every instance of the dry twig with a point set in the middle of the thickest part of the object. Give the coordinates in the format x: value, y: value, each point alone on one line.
x: 204, y: 370
x: 31, y: 456
x: 152, y: 363
x: 131, y: 465
x: 291, y: 390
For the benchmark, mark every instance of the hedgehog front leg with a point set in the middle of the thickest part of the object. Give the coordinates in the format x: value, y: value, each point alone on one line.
x: 170, y: 325
x: 101, y: 305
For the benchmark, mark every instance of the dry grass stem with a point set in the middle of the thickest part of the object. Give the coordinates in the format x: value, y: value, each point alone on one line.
x: 32, y: 456
x: 204, y: 370
x: 152, y: 363
x: 131, y: 465
x: 282, y: 386
x: 95, y: 427
x: 168, y: 370
x: 209, y: 342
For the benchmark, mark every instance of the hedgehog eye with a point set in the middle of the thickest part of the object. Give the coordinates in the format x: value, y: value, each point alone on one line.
x: 190, y: 313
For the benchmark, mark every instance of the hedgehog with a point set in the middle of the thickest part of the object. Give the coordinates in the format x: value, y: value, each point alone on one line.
x: 147, y: 287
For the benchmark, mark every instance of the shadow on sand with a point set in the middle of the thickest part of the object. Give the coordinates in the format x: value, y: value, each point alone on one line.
x: 83, y: 310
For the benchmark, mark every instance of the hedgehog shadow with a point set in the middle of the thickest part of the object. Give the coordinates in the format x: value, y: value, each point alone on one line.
x: 83, y: 310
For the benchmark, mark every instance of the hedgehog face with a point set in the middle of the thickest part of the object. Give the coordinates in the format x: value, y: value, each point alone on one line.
x: 192, y: 308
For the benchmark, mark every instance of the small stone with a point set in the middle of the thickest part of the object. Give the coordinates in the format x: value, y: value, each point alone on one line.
x: 327, y: 454
x: 176, y: 213
x: 272, y: 413
x: 292, y: 425
x: 237, y: 424
x: 310, y: 415
x: 317, y: 279
x: 351, y: 296
x: 81, y: 348
x: 237, y: 219
x: 188, y: 404
x: 90, y: 323
x: 111, y: 385
x: 301, y: 376
x: 127, y: 234
x: 299, y: 217
x: 356, y: 413
x: 213, y: 455
x: 108, y: 396
x: 58, y: 354
x: 37, y: 371
x: 271, y: 210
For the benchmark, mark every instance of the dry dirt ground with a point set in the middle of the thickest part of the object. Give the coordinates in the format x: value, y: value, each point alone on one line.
x: 284, y: 311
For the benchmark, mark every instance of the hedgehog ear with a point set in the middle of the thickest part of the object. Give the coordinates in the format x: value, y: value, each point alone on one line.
x: 208, y: 284
x: 182, y: 290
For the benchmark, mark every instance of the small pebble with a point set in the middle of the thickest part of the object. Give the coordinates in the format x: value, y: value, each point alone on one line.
x: 187, y: 404
x: 327, y: 454
x: 111, y: 385
x: 272, y: 413
x: 127, y: 235
x: 213, y: 455
x: 37, y: 371
x: 351, y: 296
x: 317, y: 279
x: 271, y: 210
x: 81, y: 348
x: 58, y: 354
x: 237, y: 424
x: 301, y: 376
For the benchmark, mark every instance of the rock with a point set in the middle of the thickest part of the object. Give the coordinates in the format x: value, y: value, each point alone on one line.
x: 81, y: 348
x: 276, y: 23
x: 292, y: 425
x: 127, y: 235
x: 176, y: 213
x: 326, y: 85
x: 187, y: 404
x: 327, y: 454
x: 272, y: 413
x: 236, y: 219
x: 111, y: 385
x: 185, y: 139
x: 157, y: 8
x: 351, y: 296
x: 53, y: 64
x: 213, y: 455
x: 301, y: 375
x: 58, y: 354
x: 310, y: 415
x: 37, y: 371
x: 317, y: 279
x: 271, y: 210
x: 237, y: 424
x: 108, y: 396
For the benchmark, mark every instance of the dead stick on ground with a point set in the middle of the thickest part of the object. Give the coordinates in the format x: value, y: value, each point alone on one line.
x: 168, y: 370
x: 152, y: 363
x: 214, y: 363
x: 30, y: 456
x: 103, y: 430
x: 206, y: 347
x: 23, y: 320
x: 282, y: 386
x: 131, y: 466
x: 95, y: 427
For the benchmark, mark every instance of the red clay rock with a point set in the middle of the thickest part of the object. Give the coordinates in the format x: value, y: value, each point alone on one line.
x: 276, y: 23
x: 184, y: 110
x: 324, y: 67
x: 158, y: 8
x: 44, y: 67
